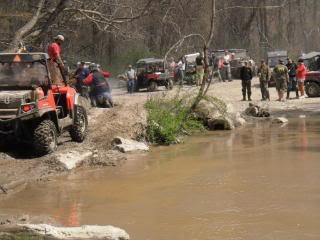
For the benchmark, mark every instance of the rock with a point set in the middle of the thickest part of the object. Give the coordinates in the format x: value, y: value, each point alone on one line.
x: 83, y: 232
x: 72, y: 158
x: 238, y: 120
x: 128, y: 145
x: 256, y: 111
x: 280, y: 120
x: 24, y: 218
x: 222, y: 123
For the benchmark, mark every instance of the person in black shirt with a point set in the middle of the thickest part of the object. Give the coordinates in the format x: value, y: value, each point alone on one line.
x: 292, y: 84
x: 246, y: 77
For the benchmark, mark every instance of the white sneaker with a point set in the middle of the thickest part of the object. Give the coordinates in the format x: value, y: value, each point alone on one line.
x: 302, y: 97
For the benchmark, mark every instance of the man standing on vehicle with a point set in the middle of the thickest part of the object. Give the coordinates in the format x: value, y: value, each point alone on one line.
x: 246, y: 77
x: 55, y: 64
x: 99, y: 85
x: 199, y: 69
x: 292, y: 84
x: 264, y: 77
x: 281, y: 76
x: 81, y: 73
x: 131, y: 79
x: 301, y: 77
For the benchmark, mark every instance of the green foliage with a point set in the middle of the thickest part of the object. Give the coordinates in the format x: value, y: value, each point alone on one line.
x: 169, y: 118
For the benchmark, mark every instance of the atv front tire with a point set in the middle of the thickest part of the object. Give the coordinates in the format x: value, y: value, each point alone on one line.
x: 45, y: 137
x: 79, y: 129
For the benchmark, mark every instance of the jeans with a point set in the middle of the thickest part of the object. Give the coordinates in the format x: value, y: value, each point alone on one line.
x: 246, y: 88
x: 131, y: 86
x: 100, y: 96
x: 181, y: 76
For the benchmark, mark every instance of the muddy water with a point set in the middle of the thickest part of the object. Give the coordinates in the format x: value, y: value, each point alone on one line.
x: 261, y: 182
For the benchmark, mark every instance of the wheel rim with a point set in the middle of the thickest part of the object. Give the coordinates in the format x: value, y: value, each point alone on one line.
x: 81, y: 122
x: 312, y: 90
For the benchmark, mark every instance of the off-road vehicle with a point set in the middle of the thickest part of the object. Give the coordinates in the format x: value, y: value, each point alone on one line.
x: 151, y: 73
x: 32, y: 108
x: 312, y: 82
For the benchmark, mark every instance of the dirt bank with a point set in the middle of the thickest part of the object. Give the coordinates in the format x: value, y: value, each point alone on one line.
x: 18, y: 166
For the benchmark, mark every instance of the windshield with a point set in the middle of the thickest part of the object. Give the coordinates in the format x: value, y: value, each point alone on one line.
x: 23, y: 74
x: 272, y: 62
x: 240, y: 55
x: 150, y: 67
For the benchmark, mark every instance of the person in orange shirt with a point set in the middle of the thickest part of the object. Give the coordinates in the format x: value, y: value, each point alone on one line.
x: 301, y: 77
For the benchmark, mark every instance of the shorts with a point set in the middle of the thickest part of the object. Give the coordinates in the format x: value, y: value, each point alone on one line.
x: 281, y: 85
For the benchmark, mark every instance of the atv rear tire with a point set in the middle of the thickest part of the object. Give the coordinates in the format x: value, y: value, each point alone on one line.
x: 79, y: 129
x: 152, y: 86
x: 313, y: 89
x: 45, y: 137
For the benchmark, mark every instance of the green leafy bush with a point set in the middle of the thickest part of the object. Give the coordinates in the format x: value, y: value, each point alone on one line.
x: 168, y: 119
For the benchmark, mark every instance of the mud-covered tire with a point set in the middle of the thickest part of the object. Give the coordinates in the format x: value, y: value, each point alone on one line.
x: 312, y: 89
x: 45, y: 137
x: 152, y: 86
x: 79, y: 130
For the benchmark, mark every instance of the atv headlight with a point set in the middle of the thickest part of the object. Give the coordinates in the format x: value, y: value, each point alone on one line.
x: 28, y: 107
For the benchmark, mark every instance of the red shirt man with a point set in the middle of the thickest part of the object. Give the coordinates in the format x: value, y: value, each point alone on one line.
x: 301, y: 77
x: 54, y: 50
x: 301, y: 71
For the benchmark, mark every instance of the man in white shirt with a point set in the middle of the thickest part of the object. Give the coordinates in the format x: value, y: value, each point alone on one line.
x: 131, y: 79
x: 227, y: 67
x: 181, y: 70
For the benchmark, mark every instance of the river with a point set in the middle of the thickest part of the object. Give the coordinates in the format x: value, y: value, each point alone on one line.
x: 259, y: 182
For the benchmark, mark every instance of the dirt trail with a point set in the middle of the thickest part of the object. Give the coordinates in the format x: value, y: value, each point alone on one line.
x: 128, y: 119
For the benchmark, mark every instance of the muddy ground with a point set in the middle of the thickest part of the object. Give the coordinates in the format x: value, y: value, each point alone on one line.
x: 18, y: 166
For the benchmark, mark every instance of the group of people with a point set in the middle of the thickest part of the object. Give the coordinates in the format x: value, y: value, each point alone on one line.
x: 288, y: 78
x: 93, y: 77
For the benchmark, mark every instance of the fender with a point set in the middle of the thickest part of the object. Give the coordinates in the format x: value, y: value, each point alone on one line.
x: 79, y: 101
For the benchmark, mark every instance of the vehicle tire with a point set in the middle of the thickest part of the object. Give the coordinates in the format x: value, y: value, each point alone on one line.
x: 152, y: 86
x: 312, y: 89
x: 45, y: 137
x: 79, y: 129
x: 169, y: 84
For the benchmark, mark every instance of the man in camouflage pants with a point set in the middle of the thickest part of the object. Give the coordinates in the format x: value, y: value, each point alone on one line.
x: 264, y: 77
x: 281, y: 76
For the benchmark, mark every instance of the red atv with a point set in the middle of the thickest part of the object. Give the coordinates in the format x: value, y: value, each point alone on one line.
x: 152, y: 73
x: 32, y: 108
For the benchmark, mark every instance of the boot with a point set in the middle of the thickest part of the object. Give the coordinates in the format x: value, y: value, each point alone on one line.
x: 249, y: 98
x: 244, y: 98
